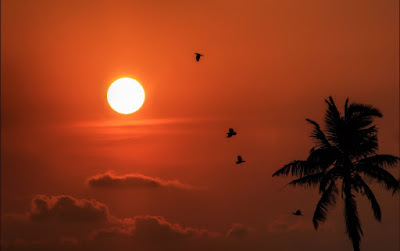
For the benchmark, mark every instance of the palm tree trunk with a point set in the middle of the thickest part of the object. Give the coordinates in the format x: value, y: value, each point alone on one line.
x: 353, y: 226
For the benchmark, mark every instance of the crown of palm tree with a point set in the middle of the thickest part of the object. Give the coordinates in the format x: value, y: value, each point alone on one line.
x: 344, y: 155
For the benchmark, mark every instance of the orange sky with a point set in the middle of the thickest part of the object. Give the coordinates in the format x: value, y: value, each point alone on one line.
x: 268, y: 65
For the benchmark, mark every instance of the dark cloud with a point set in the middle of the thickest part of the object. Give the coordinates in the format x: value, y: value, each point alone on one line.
x: 283, y: 223
x: 68, y: 223
x: 238, y: 231
x: 67, y: 208
x: 134, y: 180
x: 156, y: 227
x: 148, y: 228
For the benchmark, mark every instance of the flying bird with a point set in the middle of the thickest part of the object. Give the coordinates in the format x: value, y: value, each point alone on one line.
x: 230, y: 133
x: 297, y: 213
x: 240, y: 160
x: 198, y: 56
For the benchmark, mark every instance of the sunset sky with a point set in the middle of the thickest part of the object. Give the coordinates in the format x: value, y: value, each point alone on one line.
x: 267, y: 66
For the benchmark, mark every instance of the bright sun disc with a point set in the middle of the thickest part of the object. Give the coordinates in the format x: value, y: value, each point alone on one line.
x: 125, y: 95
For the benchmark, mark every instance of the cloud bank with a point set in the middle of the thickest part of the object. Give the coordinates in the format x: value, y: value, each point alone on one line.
x: 67, y: 208
x: 64, y: 222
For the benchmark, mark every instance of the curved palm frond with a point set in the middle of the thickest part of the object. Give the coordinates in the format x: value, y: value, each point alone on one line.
x: 365, y: 190
x: 296, y: 168
x: 333, y: 120
x: 362, y: 115
x: 327, y: 201
x: 363, y: 110
x: 309, y: 180
x: 319, y: 135
x: 353, y: 225
x: 332, y: 113
x: 381, y: 160
x: 380, y: 175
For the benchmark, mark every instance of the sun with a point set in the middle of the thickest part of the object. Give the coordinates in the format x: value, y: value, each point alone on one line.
x: 125, y: 95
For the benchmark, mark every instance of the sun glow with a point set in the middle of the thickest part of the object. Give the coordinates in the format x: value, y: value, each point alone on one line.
x: 125, y: 95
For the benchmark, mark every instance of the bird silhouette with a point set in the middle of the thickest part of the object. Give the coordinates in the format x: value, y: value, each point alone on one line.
x: 198, y: 56
x: 230, y: 133
x: 240, y: 160
x: 297, y: 213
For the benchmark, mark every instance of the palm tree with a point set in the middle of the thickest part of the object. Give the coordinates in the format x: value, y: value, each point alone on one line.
x: 343, y: 156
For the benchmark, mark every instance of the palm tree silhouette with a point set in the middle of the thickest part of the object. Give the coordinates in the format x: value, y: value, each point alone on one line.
x: 344, y: 156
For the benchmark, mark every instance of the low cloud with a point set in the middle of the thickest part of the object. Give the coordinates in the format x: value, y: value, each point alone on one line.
x: 134, y: 180
x: 288, y: 223
x: 239, y: 231
x: 148, y: 228
x: 67, y: 208
x: 157, y: 227
x: 67, y: 223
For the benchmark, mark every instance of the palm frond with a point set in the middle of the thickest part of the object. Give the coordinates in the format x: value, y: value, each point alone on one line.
x: 362, y: 115
x: 380, y: 175
x: 309, y: 180
x: 319, y: 135
x: 362, y: 110
x: 365, y: 190
x: 327, y: 201
x: 381, y: 160
x: 296, y: 168
x: 332, y: 118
